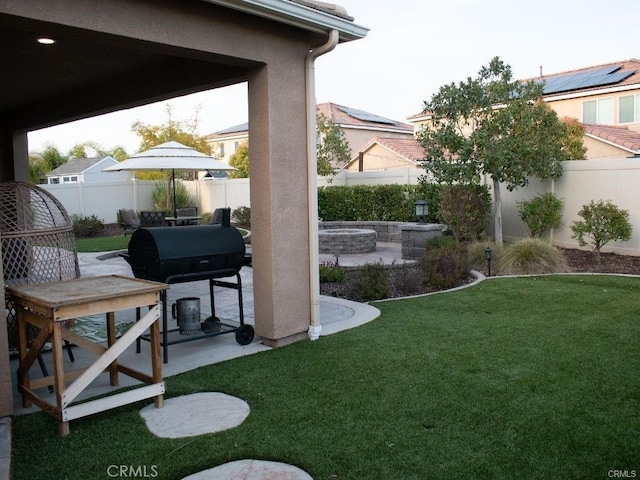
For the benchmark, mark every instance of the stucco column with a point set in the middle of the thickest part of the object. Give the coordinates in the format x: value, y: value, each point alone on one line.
x: 279, y: 202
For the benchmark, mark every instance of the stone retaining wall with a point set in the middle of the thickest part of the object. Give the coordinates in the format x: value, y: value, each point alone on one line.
x: 413, y: 236
x: 342, y: 241
x: 386, y: 231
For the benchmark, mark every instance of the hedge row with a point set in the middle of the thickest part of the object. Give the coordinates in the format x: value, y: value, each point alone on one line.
x: 388, y: 203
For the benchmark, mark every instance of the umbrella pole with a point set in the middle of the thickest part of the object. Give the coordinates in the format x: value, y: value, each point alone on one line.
x: 173, y: 181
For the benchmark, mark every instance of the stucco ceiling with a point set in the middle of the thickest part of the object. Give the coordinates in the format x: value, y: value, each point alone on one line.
x: 41, y: 82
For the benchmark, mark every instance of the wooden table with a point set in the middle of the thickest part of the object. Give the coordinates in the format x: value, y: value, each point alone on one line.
x: 49, y: 306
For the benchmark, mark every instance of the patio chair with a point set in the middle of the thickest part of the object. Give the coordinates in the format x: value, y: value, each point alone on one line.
x: 221, y: 216
x: 129, y: 220
x: 187, y: 212
x: 152, y: 218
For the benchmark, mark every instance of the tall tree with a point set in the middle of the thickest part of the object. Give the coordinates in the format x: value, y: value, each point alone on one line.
x: 182, y: 131
x: 240, y: 160
x: 573, y: 147
x: 332, y: 148
x: 92, y: 149
x: 495, y: 126
x: 41, y: 163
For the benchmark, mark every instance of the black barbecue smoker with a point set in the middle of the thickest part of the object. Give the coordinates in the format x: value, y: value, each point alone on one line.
x: 187, y: 254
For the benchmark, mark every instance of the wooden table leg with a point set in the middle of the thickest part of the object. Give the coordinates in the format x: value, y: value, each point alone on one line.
x: 156, y: 360
x: 22, y: 349
x: 58, y: 374
x: 111, y: 339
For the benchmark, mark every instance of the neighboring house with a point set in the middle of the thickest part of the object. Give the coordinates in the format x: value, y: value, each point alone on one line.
x: 359, y: 128
x: 227, y: 141
x: 384, y: 153
x: 86, y: 170
x: 605, y: 98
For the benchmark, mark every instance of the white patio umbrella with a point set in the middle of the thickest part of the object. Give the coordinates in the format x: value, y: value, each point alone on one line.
x: 170, y: 156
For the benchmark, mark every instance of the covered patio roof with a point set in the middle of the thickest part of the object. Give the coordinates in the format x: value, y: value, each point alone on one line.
x: 103, y: 71
x: 117, y: 54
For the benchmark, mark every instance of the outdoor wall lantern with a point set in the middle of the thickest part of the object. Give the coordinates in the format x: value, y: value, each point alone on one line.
x: 422, y: 210
x: 488, y: 254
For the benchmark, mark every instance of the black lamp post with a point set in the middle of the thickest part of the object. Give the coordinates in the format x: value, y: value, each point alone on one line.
x: 422, y: 210
x: 488, y: 254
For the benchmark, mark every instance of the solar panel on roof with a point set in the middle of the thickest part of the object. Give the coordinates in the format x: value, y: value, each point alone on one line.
x: 588, y: 79
x: 611, y: 79
x: 366, y: 116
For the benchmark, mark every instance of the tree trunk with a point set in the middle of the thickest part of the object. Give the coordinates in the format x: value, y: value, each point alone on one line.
x: 497, y: 214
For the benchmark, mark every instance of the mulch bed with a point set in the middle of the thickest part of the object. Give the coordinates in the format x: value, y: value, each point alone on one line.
x: 584, y: 261
x: 408, y: 281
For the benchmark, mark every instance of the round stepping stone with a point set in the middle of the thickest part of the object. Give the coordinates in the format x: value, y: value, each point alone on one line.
x: 195, y: 414
x: 251, y: 470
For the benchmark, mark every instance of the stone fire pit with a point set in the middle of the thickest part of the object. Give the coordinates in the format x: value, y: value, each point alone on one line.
x: 340, y: 241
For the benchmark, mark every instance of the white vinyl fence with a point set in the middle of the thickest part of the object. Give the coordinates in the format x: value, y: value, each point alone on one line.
x: 105, y: 199
x: 617, y: 180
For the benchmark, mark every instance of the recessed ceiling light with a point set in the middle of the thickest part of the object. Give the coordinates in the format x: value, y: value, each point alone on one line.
x: 46, y: 41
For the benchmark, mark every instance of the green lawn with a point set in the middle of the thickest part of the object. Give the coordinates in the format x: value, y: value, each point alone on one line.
x: 103, y: 244
x: 532, y: 378
x: 109, y: 244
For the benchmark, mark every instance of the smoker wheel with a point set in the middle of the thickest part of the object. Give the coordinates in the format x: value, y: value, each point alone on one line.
x: 244, y: 334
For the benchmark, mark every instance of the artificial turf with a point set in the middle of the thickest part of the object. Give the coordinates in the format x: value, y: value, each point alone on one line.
x: 532, y: 378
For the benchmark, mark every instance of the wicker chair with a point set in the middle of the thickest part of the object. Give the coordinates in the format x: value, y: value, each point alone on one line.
x: 38, y: 245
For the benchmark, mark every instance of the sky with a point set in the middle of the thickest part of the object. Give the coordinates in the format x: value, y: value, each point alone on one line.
x: 413, y: 47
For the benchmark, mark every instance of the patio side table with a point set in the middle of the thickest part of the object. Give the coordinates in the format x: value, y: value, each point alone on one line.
x: 49, y: 305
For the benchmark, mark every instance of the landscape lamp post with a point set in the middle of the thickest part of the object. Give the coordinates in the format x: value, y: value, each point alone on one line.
x: 422, y: 210
x: 488, y: 254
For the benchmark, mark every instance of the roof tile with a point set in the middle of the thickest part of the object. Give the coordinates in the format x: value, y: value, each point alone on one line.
x: 619, y: 136
x: 408, y: 148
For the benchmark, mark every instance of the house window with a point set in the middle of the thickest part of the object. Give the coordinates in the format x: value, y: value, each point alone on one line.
x: 222, y: 149
x: 73, y: 179
x: 235, y: 146
x: 629, y: 109
x: 54, y: 181
x: 598, y: 111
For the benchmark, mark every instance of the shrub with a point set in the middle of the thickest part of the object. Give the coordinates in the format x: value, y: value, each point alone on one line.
x: 242, y: 216
x: 332, y: 272
x: 530, y: 256
x: 370, y: 282
x: 465, y: 210
x: 445, y: 263
x: 392, y: 203
x: 477, y: 256
x: 163, y: 197
x: 602, y: 223
x: 540, y: 214
x: 86, y: 226
x: 406, y: 280
x: 206, y: 218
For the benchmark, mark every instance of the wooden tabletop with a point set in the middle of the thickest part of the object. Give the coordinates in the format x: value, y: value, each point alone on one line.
x: 53, y: 296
